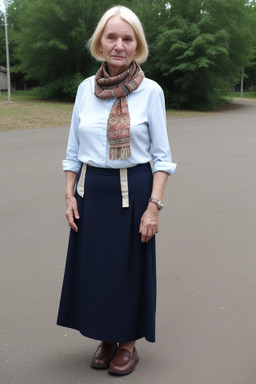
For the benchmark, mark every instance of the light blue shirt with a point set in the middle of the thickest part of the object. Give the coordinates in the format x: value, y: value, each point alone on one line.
x: 88, y: 141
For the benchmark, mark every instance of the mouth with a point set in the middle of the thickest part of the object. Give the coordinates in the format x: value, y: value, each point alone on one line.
x: 117, y: 57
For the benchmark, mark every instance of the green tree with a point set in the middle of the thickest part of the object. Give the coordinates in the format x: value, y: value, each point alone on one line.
x: 2, y: 41
x: 250, y: 68
x: 197, y: 48
x: 201, y: 49
x: 49, y: 39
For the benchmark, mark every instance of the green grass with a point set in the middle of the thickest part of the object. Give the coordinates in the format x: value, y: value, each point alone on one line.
x: 26, y: 112
x: 246, y: 95
x: 185, y: 114
x: 17, y: 96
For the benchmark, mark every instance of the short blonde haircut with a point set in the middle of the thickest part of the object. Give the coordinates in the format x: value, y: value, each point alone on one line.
x: 131, y: 18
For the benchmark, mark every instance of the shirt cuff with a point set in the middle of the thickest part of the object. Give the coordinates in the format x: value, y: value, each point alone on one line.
x: 170, y: 168
x: 73, y: 166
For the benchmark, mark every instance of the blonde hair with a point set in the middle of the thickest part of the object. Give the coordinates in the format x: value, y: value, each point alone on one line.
x: 131, y: 18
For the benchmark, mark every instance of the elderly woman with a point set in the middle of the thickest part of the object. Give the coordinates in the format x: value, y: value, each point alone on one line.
x: 113, y: 196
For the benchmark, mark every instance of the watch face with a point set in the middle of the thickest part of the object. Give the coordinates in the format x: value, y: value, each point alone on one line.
x: 160, y: 205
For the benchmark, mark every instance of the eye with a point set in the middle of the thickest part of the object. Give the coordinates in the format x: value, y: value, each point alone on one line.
x: 128, y: 39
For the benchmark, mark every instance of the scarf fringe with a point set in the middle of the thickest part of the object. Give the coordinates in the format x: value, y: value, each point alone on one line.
x: 120, y: 153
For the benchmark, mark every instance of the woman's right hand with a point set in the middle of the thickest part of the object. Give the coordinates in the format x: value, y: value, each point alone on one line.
x: 72, y: 212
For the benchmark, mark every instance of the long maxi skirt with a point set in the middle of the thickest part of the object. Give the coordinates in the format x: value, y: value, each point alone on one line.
x: 109, y: 287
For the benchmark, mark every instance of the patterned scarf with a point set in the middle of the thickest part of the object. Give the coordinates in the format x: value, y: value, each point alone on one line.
x: 119, y: 86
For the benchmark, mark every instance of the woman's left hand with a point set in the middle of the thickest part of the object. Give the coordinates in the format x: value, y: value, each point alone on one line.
x: 149, y: 223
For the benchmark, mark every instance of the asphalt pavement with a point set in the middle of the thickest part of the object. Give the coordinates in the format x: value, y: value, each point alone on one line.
x: 206, y: 260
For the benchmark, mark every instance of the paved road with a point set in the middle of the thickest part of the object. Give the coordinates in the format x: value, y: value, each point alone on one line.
x: 206, y: 332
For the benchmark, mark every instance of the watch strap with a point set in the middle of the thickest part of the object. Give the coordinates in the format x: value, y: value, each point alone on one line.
x: 157, y: 202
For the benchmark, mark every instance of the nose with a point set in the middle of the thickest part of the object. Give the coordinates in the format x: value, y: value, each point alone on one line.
x: 119, y: 44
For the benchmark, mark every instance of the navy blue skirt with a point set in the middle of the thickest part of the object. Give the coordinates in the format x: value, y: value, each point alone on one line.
x: 109, y: 287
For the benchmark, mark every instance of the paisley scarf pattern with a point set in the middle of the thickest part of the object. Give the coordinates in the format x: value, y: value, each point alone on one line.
x: 118, y: 125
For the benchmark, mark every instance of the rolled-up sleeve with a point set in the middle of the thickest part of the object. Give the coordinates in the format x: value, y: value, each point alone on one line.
x: 71, y: 163
x: 161, y: 152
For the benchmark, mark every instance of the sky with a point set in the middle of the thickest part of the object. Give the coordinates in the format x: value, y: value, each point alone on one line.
x: 1, y: 5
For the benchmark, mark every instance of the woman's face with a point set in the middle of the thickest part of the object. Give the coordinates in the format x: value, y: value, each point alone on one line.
x: 118, y: 45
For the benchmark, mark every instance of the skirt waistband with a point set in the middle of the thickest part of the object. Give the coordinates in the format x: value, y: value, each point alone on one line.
x: 116, y: 171
x: 122, y: 173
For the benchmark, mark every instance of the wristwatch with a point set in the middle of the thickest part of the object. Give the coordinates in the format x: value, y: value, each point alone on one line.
x: 157, y: 202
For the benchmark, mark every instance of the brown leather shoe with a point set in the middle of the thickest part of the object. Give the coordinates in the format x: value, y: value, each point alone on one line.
x: 103, y: 355
x: 124, y: 362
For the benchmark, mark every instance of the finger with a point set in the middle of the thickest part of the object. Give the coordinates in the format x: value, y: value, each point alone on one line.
x: 71, y: 222
x: 145, y: 237
x: 76, y: 213
x: 142, y: 233
x: 74, y: 227
x: 75, y: 209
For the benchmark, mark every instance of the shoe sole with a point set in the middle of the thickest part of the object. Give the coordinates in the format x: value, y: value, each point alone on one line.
x: 97, y: 367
